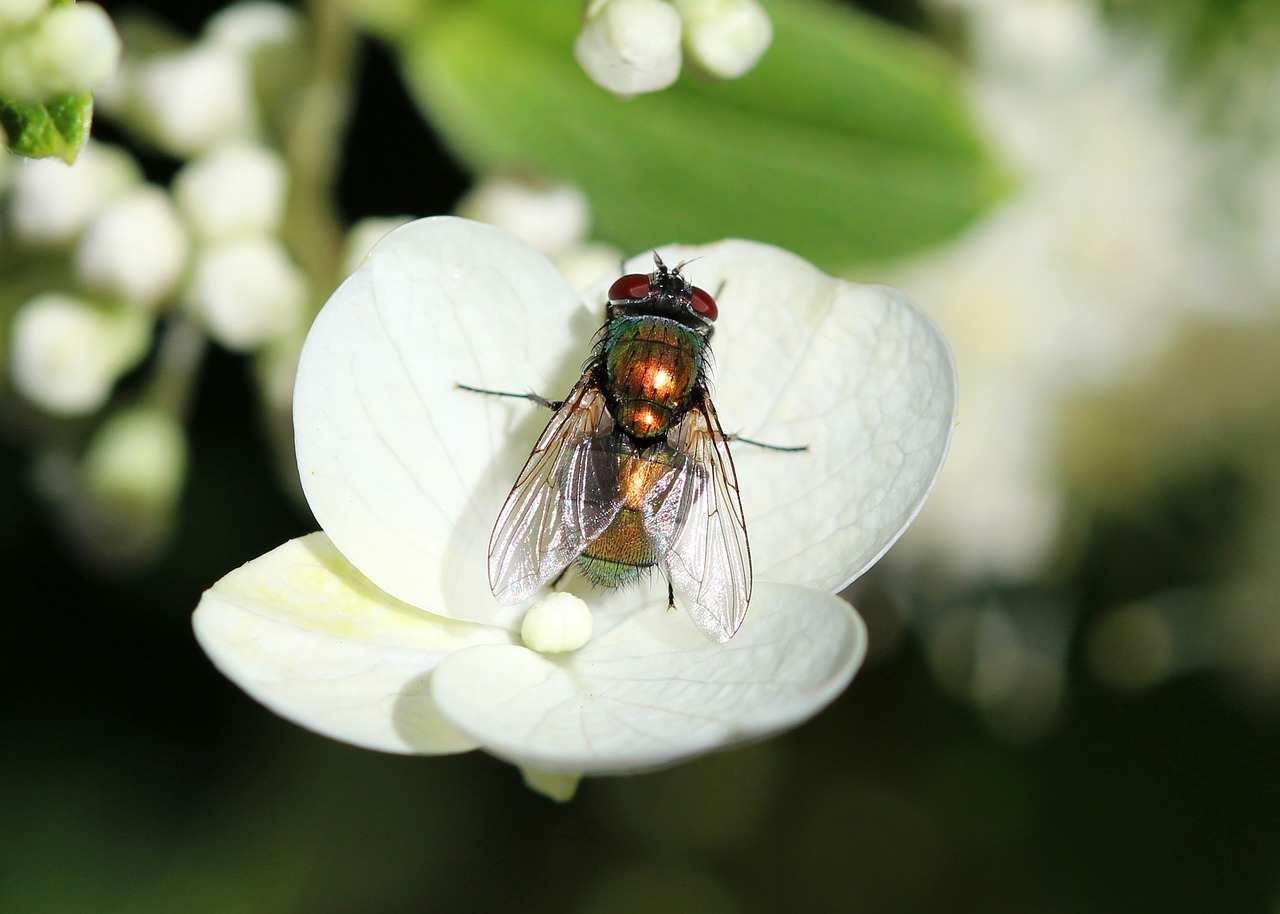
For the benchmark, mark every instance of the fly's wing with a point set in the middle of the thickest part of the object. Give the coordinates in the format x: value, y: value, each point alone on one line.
x: 564, y: 498
x: 697, y: 518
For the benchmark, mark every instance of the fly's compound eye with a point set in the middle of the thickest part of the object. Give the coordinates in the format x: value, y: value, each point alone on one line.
x: 704, y: 304
x: 629, y: 287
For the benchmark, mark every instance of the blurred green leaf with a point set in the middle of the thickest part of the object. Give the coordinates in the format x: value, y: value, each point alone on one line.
x: 851, y: 141
x: 56, y: 127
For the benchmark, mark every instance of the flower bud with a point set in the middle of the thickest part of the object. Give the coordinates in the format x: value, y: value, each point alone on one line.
x: 66, y: 354
x: 586, y: 263
x: 726, y: 38
x: 247, y: 292
x: 195, y: 99
x: 16, y: 13
x: 74, y: 48
x: 550, y: 217
x: 135, y: 249
x: 249, y: 26
x: 362, y: 236
x: 630, y: 46
x: 237, y: 189
x: 561, y: 622
x: 137, y: 457
x: 53, y: 202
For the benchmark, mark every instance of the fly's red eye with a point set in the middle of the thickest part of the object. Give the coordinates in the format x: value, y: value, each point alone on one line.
x: 704, y: 304
x: 631, y: 286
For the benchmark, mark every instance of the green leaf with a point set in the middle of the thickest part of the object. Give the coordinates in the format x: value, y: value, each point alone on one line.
x: 851, y: 141
x: 56, y: 127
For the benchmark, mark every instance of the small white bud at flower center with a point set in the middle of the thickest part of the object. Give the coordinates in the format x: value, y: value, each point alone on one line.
x: 557, y: 624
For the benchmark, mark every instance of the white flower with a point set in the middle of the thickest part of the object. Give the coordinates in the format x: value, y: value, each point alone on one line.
x: 237, y: 189
x: 135, y: 248
x: 382, y: 630
x: 630, y: 46
x: 248, y: 292
x: 66, y: 354
x: 726, y: 38
x: 53, y: 201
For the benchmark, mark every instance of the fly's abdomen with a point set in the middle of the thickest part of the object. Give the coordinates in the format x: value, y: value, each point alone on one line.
x: 626, y: 548
x: 652, y: 365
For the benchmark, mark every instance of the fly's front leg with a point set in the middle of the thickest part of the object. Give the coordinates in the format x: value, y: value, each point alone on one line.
x: 541, y: 401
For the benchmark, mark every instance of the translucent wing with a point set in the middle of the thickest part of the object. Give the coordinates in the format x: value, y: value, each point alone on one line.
x: 698, y: 519
x: 563, y: 499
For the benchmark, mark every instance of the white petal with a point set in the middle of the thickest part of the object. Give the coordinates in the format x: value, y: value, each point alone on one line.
x: 307, y: 635
x: 858, y: 373
x: 655, y: 690
x: 403, y: 470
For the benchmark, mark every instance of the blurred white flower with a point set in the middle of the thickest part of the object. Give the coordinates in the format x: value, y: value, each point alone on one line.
x: 553, y: 218
x: 236, y: 189
x: 15, y: 13
x: 192, y: 100
x: 630, y: 46
x: 76, y: 48
x: 134, y: 249
x: 382, y: 631
x: 726, y: 38
x: 247, y: 292
x: 362, y: 237
x: 247, y: 27
x: 52, y: 201
x: 66, y: 354
x: 1076, y: 282
x: 68, y: 48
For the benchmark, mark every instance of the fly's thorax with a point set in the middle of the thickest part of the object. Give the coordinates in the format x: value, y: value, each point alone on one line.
x: 652, y: 365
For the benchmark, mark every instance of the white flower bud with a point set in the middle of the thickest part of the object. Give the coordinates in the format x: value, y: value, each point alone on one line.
x: 135, y: 249
x: 195, y: 99
x: 248, y: 292
x: 53, y: 201
x: 237, y: 189
x: 552, y: 218
x: 362, y: 236
x: 137, y: 457
x: 587, y: 263
x: 15, y: 13
x: 74, y: 48
x: 630, y: 46
x: 67, y: 354
x: 561, y: 622
x: 246, y: 27
x: 726, y: 38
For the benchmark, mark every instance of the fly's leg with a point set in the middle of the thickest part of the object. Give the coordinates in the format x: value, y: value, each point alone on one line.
x: 769, y: 447
x: 671, y: 598
x: 541, y: 401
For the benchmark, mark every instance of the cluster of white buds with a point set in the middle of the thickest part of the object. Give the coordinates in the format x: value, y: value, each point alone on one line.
x: 635, y: 46
x: 188, y: 98
x: 120, y: 270
x: 47, y: 50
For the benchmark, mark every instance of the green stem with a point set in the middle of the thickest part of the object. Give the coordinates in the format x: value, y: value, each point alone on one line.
x: 312, y: 148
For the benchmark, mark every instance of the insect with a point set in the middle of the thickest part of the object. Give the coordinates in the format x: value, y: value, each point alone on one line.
x: 633, y: 471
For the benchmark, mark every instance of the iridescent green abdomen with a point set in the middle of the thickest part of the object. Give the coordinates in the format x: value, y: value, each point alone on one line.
x: 651, y: 367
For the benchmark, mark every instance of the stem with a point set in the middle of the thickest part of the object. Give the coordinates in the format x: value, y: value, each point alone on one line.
x: 312, y: 147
